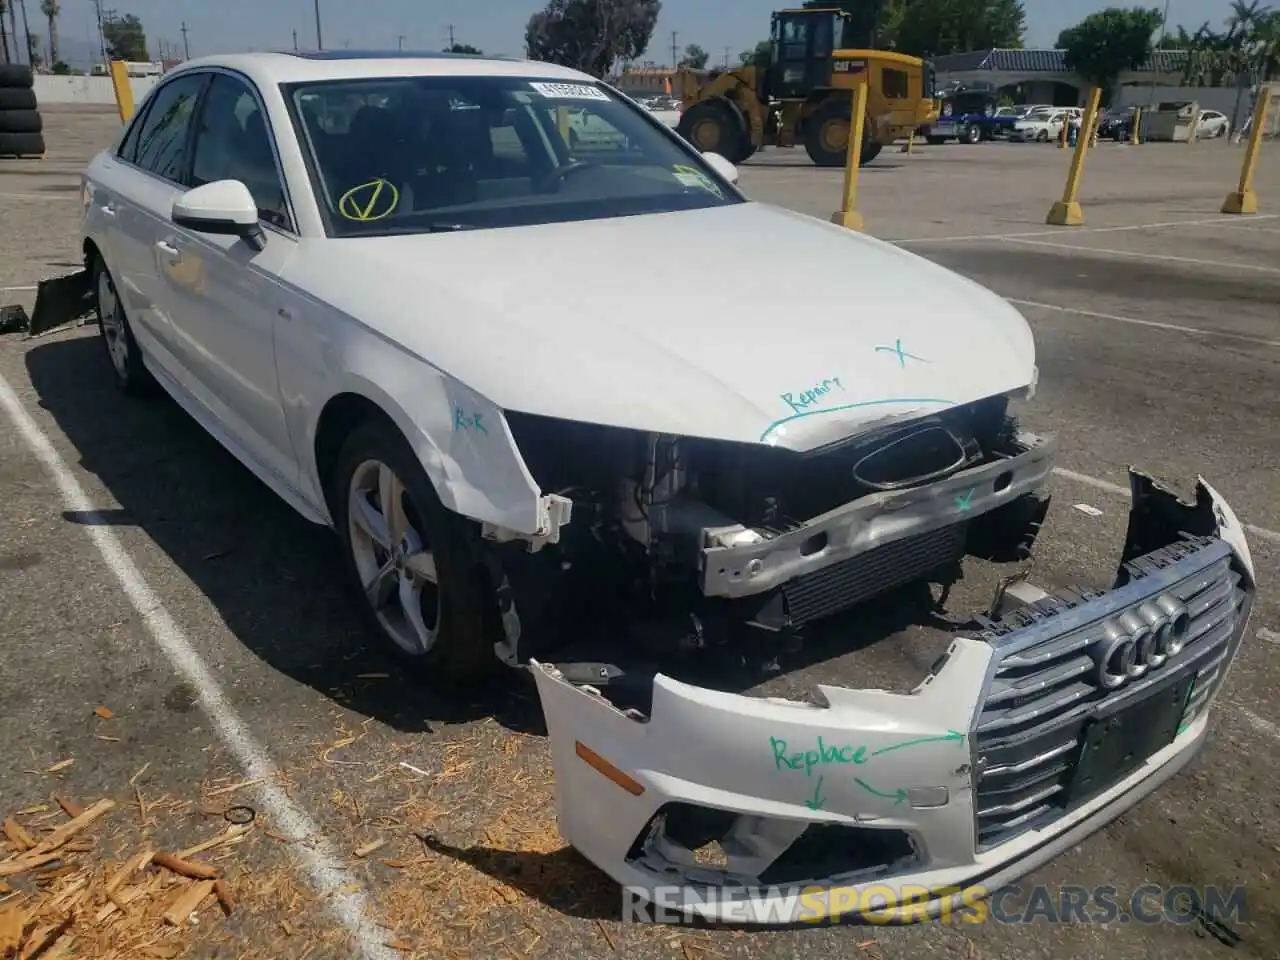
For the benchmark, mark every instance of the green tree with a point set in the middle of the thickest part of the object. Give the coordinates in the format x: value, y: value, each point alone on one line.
x: 126, y: 39
x: 695, y: 58
x: 463, y: 48
x: 758, y: 56
x: 1105, y: 44
x: 61, y: 68
x: 933, y: 28
x: 591, y: 35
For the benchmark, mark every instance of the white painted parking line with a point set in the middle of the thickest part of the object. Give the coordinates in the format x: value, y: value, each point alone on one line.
x: 1216, y: 264
x: 1177, y: 328
x: 1203, y: 222
x: 9, y: 289
x: 1260, y: 724
x: 339, y: 887
x: 1106, y: 486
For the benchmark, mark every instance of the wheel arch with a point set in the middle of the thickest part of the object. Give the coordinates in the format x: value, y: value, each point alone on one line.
x: 477, y: 473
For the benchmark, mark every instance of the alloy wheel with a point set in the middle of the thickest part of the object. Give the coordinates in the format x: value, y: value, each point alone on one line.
x: 113, y: 330
x: 395, y: 564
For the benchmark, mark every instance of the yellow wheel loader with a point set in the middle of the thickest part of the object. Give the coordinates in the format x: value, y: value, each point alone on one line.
x: 804, y: 94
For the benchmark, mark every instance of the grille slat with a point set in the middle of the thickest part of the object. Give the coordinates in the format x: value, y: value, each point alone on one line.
x: 1028, y: 734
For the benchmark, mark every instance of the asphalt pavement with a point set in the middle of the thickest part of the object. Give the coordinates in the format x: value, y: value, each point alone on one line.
x: 147, y: 573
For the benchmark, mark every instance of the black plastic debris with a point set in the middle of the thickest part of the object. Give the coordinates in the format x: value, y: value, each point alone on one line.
x: 61, y: 300
x: 13, y: 319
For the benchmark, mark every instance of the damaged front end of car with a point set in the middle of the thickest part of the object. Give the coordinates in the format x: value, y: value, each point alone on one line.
x: 1060, y: 711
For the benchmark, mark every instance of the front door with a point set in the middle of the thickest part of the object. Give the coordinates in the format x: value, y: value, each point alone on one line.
x: 224, y: 294
x: 802, y: 47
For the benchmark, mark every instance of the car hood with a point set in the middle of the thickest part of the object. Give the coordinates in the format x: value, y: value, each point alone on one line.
x: 746, y: 323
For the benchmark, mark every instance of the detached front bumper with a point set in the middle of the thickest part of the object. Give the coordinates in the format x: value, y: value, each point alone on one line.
x: 1023, y: 740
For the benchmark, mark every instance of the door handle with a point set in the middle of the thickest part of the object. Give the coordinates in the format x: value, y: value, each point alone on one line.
x: 107, y: 210
x: 169, y: 250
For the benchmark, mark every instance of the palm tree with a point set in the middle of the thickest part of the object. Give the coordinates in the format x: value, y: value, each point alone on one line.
x: 4, y: 36
x: 51, y: 9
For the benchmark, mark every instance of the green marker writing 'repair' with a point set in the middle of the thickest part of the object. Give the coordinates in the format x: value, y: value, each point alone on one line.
x: 830, y: 754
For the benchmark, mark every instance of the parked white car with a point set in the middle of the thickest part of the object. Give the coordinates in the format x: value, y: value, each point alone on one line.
x: 1212, y: 124
x: 1041, y: 125
x: 392, y: 289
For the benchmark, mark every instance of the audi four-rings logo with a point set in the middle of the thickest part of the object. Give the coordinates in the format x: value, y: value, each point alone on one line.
x: 1139, y: 640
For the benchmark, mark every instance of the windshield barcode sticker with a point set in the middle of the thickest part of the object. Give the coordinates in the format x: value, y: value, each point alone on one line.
x: 569, y: 91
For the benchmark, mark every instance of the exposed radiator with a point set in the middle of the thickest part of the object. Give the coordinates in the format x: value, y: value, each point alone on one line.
x: 844, y: 584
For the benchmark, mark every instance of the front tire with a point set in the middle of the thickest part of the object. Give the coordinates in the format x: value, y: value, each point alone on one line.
x: 972, y: 134
x: 410, y: 562
x: 826, y: 136
x: 131, y: 374
x: 712, y: 126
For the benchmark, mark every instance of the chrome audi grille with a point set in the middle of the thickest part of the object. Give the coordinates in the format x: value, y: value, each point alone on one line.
x: 1064, y: 659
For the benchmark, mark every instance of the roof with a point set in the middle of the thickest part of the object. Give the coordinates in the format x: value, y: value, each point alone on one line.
x: 271, y: 68
x: 386, y: 55
x: 1042, y: 61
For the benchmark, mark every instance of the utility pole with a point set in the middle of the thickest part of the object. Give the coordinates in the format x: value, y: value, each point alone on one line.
x: 319, y: 36
x: 102, y: 36
x: 451, y: 41
x: 675, y: 46
x: 295, y: 41
x: 186, y: 46
x: 400, y: 41
x: 726, y: 57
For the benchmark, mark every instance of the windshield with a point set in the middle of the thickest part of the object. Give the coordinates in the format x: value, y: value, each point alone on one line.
x: 422, y: 154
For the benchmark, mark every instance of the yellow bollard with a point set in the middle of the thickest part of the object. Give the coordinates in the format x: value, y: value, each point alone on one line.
x: 1062, y: 134
x: 123, y: 90
x: 1066, y: 212
x: 911, y: 142
x: 1244, y: 200
x: 1137, y: 125
x: 848, y: 215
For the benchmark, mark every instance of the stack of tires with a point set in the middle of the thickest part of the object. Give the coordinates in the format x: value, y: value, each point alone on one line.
x: 21, y: 128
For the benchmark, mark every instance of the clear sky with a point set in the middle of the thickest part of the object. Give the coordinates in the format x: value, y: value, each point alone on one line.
x: 496, y: 26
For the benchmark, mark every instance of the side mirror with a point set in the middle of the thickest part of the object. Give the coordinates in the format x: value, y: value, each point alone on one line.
x: 721, y: 166
x: 224, y: 207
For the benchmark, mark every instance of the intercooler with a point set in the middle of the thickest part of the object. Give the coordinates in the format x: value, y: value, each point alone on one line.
x: 850, y: 582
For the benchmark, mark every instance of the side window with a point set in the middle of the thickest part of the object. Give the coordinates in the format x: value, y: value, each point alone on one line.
x: 895, y: 84
x: 162, y: 139
x: 232, y: 143
x: 129, y: 145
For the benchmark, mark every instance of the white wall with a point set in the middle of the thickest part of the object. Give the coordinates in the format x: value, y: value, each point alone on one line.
x: 86, y: 90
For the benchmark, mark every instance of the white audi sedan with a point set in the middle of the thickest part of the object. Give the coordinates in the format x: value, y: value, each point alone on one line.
x: 549, y: 386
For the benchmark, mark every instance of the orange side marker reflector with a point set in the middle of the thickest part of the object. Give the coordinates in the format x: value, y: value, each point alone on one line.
x: 607, y: 769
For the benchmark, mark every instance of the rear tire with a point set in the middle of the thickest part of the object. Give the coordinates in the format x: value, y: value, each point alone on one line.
x: 1042, y: 136
x: 972, y: 134
x: 712, y: 126
x: 826, y: 136
x: 443, y: 629
x: 132, y: 377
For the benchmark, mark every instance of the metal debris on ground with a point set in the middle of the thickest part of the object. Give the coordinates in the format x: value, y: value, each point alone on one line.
x: 1087, y: 510
x: 61, y: 897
